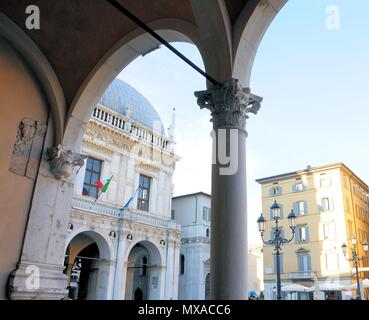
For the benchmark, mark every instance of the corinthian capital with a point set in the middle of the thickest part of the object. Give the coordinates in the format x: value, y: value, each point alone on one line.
x: 229, y: 104
x: 62, y: 162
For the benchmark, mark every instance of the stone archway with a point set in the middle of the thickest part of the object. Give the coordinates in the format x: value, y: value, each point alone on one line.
x: 144, y: 272
x: 248, y: 34
x: 114, y: 61
x: 89, y: 267
x: 233, y: 57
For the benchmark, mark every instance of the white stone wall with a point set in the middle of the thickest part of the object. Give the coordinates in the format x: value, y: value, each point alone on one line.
x: 195, y: 244
x: 192, y: 282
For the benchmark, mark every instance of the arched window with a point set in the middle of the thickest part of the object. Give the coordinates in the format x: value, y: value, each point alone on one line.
x: 182, y: 264
x: 207, y: 287
x: 144, y: 266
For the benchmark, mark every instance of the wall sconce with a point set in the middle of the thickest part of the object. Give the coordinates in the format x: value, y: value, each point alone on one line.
x: 130, y: 237
x: 70, y: 227
x: 112, y: 234
x: 162, y: 242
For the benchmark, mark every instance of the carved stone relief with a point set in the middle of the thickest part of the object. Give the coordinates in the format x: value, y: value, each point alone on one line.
x: 28, y: 147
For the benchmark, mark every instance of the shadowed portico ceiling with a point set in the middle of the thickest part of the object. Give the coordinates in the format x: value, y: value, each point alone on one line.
x: 234, y: 8
x: 76, y: 34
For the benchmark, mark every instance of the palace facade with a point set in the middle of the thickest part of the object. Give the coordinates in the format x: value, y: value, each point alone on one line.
x: 122, y: 243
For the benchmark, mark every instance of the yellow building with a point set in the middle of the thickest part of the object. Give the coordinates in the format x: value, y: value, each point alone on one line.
x: 332, y: 205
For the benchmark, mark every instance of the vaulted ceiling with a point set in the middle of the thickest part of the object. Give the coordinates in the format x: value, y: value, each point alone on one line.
x: 75, y: 34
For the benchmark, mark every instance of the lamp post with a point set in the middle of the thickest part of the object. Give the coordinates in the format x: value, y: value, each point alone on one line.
x: 356, y: 259
x: 278, y: 240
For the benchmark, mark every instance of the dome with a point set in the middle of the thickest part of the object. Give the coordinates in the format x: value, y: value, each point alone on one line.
x: 119, y: 95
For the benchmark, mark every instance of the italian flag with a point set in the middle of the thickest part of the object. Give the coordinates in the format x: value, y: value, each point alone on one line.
x: 103, y: 187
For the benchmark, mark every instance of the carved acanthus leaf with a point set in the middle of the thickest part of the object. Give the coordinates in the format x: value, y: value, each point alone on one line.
x: 229, y: 104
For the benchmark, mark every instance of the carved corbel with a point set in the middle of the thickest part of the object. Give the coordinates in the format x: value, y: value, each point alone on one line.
x: 63, y: 162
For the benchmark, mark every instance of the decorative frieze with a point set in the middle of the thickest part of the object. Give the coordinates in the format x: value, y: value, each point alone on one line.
x: 130, y: 216
x: 149, y: 166
x: 195, y: 240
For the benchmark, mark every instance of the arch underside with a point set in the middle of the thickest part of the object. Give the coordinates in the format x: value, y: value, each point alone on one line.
x: 226, y: 36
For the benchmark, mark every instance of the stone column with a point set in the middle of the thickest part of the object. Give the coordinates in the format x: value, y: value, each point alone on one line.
x: 105, y: 280
x: 172, y: 272
x: 121, y: 269
x: 229, y: 105
x: 39, y: 273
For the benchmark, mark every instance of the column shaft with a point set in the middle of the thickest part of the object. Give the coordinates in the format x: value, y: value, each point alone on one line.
x: 229, y: 229
x: 229, y: 105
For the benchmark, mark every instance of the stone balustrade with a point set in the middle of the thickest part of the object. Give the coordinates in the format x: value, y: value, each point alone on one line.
x: 89, y: 205
x: 122, y: 124
x: 86, y: 204
x: 307, y: 275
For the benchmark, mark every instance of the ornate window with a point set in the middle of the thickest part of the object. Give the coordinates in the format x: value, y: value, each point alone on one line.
x: 300, y: 207
x: 144, y: 193
x: 325, y: 181
x: 325, y: 205
x: 275, y: 191
x: 304, y: 261
x: 302, y: 234
x: 92, y: 175
x: 206, y: 214
x: 298, y: 187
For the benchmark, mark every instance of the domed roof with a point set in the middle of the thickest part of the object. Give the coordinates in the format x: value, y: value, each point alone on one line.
x: 119, y: 95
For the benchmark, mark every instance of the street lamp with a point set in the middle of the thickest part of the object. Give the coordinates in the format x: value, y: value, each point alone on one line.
x: 278, y: 240
x: 356, y: 259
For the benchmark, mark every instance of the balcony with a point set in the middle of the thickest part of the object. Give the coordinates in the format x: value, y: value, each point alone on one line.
x: 88, y: 205
x: 85, y: 204
x: 302, y: 275
x: 121, y: 124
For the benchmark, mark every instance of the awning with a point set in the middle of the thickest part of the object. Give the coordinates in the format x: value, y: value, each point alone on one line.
x: 363, y: 284
x: 330, y: 286
x: 294, y: 287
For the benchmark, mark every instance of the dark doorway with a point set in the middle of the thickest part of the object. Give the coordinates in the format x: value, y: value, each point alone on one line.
x: 83, y: 277
x: 138, y: 294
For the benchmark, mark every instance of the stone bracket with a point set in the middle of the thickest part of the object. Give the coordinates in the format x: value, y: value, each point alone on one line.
x: 63, y: 162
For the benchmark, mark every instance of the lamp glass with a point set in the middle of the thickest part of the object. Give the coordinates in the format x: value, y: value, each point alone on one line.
x: 365, y: 245
x: 276, y: 210
x: 344, y: 248
x: 353, y: 240
x: 292, y: 220
x: 261, y: 223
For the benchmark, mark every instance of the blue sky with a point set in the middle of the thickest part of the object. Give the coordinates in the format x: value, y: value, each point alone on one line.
x: 314, y: 81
